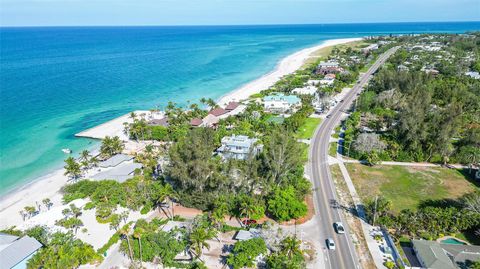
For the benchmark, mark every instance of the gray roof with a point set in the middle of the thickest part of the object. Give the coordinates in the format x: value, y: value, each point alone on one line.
x: 432, y: 255
x: 6, y: 239
x: 17, y: 251
x: 462, y: 254
x: 119, y: 173
x: 115, y: 160
x: 246, y: 235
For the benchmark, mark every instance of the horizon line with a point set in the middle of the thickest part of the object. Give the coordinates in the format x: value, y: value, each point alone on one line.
x: 229, y: 25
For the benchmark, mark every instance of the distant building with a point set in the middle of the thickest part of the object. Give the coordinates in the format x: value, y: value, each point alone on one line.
x: 196, y: 122
x: 307, y: 90
x: 370, y: 48
x: 15, y: 252
x: 159, y: 122
x: 330, y: 67
x: 238, y: 147
x: 435, y: 255
x: 472, y: 74
x: 281, y: 103
x: 402, y: 68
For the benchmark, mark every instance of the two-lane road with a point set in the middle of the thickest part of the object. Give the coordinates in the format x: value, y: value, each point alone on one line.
x: 325, y: 197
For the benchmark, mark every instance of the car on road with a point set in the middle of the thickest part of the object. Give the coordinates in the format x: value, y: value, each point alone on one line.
x: 330, y: 244
x: 339, y: 227
x: 329, y: 116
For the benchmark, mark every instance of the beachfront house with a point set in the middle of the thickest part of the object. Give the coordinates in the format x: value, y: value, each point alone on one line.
x: 281, y: 103
x: 330, y: 67
x: 370, y: 48
x: 16, y: 251
x: 238, y: 147
x: 307, y: 90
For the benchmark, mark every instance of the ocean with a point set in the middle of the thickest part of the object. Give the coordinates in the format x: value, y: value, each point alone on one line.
x: 58, y: 81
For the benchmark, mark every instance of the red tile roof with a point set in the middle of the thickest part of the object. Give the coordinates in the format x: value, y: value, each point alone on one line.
x: 217, y: 112
x: 196, y: 122
x: 231, y: 106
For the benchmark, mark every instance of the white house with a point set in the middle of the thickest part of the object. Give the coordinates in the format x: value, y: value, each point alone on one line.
x: 307, y: 90
x: 238, y: 147
x: 281, y: 103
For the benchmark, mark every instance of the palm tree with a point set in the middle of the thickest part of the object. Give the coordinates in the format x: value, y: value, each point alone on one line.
x: 30, y: 210
x: 137, y: 233
x: 23, y: 214
x: 85, y: 159
x: 72, y: 168
x: 94, y: 161
x: 198, y: 240
x: 133, y: 116
x: 47, y: 203
x: 291, y: 246
x: 125, y: 231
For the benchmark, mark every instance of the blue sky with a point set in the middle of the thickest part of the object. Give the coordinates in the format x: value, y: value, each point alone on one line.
x: 221, y: 12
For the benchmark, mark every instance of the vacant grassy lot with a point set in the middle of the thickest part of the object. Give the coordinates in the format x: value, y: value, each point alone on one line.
x: 332, y: 149
x: 308, y: 128
x: 406, y: 187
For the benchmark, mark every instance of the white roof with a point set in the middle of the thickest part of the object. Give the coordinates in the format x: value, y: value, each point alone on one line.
x: 119, y: 173
x: 115, y: 160
x: 17, y: 251
x: 246, y: 235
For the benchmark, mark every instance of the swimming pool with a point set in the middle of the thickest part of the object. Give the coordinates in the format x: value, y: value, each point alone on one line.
x: 452, y: 241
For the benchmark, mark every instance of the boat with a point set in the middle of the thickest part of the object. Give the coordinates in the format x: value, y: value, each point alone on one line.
x: 67, y: 151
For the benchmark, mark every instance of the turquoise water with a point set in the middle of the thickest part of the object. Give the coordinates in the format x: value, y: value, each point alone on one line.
x: 55, y: 82
x: 452, y: 241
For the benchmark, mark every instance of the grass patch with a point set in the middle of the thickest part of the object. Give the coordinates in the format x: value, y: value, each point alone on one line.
x: 304, y: 147
x: 332, y: 149
x: 407, y: 187
x: 308, y: 128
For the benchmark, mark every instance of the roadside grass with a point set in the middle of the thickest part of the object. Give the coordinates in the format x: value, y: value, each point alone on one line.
x: 408, y: 187
x: 308, y: 128
x: 304, y: 148
x: 332, y: 149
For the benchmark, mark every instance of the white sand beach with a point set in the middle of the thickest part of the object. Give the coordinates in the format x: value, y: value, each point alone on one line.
x: 286, y: 66
x: 49, y: 186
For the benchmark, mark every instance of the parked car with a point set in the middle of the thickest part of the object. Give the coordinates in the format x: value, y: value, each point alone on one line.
x: 330, y: 244
x: 248, y: 222
x: 339, y: 227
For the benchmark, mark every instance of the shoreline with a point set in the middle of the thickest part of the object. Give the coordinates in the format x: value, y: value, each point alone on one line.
x: 286, y: 66
x: 49, y: 185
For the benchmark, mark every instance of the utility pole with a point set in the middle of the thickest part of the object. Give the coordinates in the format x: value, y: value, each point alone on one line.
x: 375, y: 210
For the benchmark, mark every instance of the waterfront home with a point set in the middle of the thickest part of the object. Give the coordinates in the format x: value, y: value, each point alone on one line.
x: 432, y: 254
x: 281, y: 103
x: 307, y: 90
x: 217, y: 112
x: 159, y: 122
x: 238, y: 147
x: 210, y: 121
x: 370, y: 48
x: 115, y: 160
x: 15, y: 252
x: 196, y: 122
x: 119, y: 173
x: 330, y: 67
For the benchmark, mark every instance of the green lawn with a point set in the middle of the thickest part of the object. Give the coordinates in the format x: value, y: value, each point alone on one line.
x: 406, y: 187
x: 332, y: 149
x: 308, y: 128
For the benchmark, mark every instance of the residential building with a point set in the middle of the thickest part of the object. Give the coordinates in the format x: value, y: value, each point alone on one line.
x: 307, y: 90
x: 196, y: 122
x: 119, y: 173
x: 472, y: 74
x: 330, y: 67
x: 15, y: 252
x: 159, y: 122
x: 238, y: 147
x: 281, y: 103
x: 435, y: 255
x: 370, y: 48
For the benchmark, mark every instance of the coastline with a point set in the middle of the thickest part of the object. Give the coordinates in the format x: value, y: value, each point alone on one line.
x: 286, y: 66
x: 49, y: 186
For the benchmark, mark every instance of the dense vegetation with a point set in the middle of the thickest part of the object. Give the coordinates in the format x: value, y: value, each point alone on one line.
x: 417, y: 115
